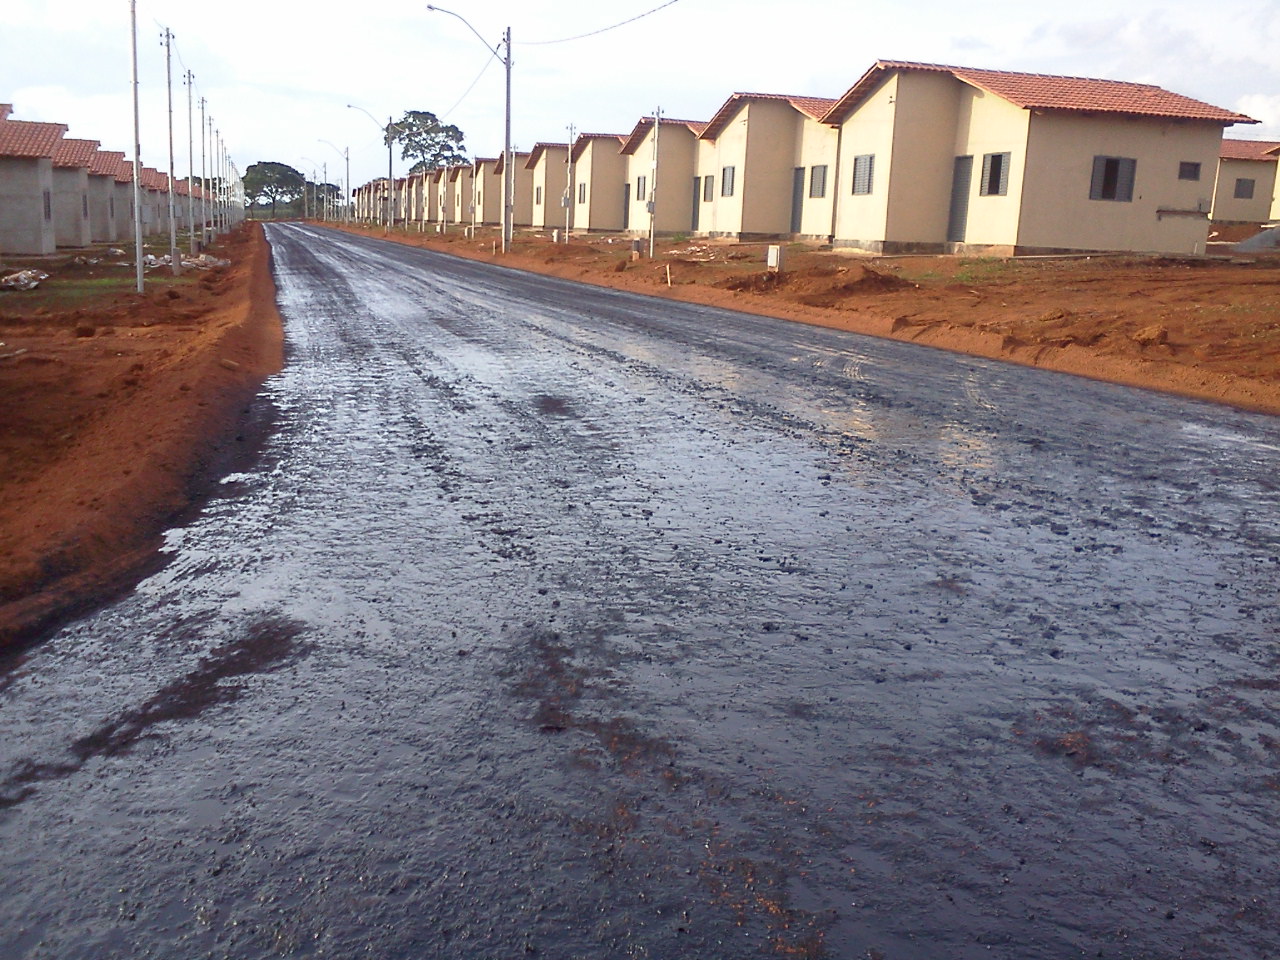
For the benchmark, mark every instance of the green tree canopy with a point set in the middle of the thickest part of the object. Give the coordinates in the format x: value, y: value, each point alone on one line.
x: 275, y: 181
x: 425, y: 140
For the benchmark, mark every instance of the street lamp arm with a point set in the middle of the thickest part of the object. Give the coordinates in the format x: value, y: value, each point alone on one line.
x: 493, y: 49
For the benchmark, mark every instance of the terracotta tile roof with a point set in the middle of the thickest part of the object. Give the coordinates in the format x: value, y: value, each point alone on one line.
x: 75, y: 153
x: 153, y: 179
x: 455, y: 172
x: 1043, y: 92
x: 642, y: 127
x: 516, y: 157
x: 1266, y: 150
x: 22, y: 138
x: 539, y: 149
x: 813, y: 107
x: 124, y: 174
x: 106, y: 163
x: 584, y: 140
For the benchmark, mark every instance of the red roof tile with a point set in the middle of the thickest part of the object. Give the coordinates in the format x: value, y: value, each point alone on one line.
x: 1265, y: 150
x: 586, y: 139
x: 75, y: 153
x: 814, y: 107
x: 1043, y: 92
x: 22, y: 138
x: 106, y: 163
x: 516, y: 157
x: 124, y: 174
x: 539, y: 149
x: 642, y: 127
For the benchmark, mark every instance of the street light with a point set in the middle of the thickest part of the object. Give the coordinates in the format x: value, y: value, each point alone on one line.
x: 313, y: 189
x: 345, y: 153
x: 508, y: 161
x: 391, y: 184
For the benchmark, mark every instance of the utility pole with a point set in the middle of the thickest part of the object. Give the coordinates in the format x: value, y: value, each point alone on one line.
x: 568, y: 185
x: 175, y: 258
x: 653, y: 187
x: 204, y: 182
x: 509, y: 173
x: 191, y: 162
x: 137, y: 150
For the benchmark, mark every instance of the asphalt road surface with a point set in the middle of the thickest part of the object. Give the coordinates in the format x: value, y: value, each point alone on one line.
x: 554, y: 621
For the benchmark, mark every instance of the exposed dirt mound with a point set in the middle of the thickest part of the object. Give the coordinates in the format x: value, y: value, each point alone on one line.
x: 822, y: 286
x: 117, y: 406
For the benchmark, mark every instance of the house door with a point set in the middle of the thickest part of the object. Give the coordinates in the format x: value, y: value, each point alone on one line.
x: 958, y: 219
x: 697, y: 202
x: 626, y: 205
x: 797, y: 198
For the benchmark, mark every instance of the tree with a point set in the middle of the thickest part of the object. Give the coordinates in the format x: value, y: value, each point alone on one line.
x: 427, y: 141
x: 275, y: 181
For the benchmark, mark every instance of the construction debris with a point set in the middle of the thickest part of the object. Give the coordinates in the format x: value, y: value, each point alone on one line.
x: 23, y: 280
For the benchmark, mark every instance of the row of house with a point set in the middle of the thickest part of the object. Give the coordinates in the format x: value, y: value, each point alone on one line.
x: 914, y: 157
x: 57, y: 191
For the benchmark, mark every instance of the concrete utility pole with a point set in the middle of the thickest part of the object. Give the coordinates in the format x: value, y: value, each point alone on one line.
x: 191, y: 162
x: 653, y: 187
x: 204, y: 182
x: 568, y: 185
x: 346, y: 182
x: 508, y: 160
x: 175, y: 258
x: 137, y: 150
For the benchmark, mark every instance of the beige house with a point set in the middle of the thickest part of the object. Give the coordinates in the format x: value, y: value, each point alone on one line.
x: 1246, y: 182
x: 766, y: 168
x: 446, y: 201
x: 598, y: 175
x: 463, y: 193
x: 549, y: 163
x: 938, y: 158
x: 522, y: 184
x: 26, y: 184
x: 486, y: 182
x: 124, y: 205
x: 658, y: 180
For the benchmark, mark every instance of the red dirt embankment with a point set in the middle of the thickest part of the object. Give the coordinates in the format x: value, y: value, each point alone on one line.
x: 1196, y: 327
x: 115, y: 411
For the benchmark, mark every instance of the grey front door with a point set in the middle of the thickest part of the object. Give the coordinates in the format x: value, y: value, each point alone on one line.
x: 961, y: 179
x: 697, y: 202
x: 797, y: 198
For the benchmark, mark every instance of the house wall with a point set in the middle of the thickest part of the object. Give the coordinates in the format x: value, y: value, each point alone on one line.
x: 124, y: 210
x: 677, y: 156
x: 550, y: 174
x: 462, y: 196
x: 23, y: 225
x: 773, y: 134
x: 985, y: 124
x: 488, y: 188
x: 862, y: 219
x: 603, y: 169
x: 819, y: 145
x: 71, y: 206
x: 1226, y: 207
x: 1166, y: 215
x: 522, y: 193
x: 723, y: 216
x: 446, y: 200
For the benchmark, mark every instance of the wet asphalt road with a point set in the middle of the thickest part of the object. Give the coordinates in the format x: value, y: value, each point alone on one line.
x: 551, y: 621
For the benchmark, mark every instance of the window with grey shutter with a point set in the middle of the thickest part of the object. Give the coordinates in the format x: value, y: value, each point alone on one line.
x: 1187, y: 170
x: 726, y: 181
x: 48, y: 205
x: 1244, y: 189
x: 582, y: 193
x: 640, y: 187
x: 818, y: 181
x: 708, y: 188
x: 863, y: 173
x: 1113, y: 179
x: 537, y: 197
x: 995, y: 175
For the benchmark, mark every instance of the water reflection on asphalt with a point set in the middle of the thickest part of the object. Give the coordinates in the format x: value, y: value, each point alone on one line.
x: 558, y: 622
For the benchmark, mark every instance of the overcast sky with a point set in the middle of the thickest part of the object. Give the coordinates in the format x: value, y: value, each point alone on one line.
x: 277, y: 75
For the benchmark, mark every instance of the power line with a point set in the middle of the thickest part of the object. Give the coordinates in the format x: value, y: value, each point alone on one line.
x: 487, y: 63
x: 542, y: 43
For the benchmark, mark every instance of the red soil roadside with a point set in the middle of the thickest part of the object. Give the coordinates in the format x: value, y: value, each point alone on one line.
x: 114, y: 415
